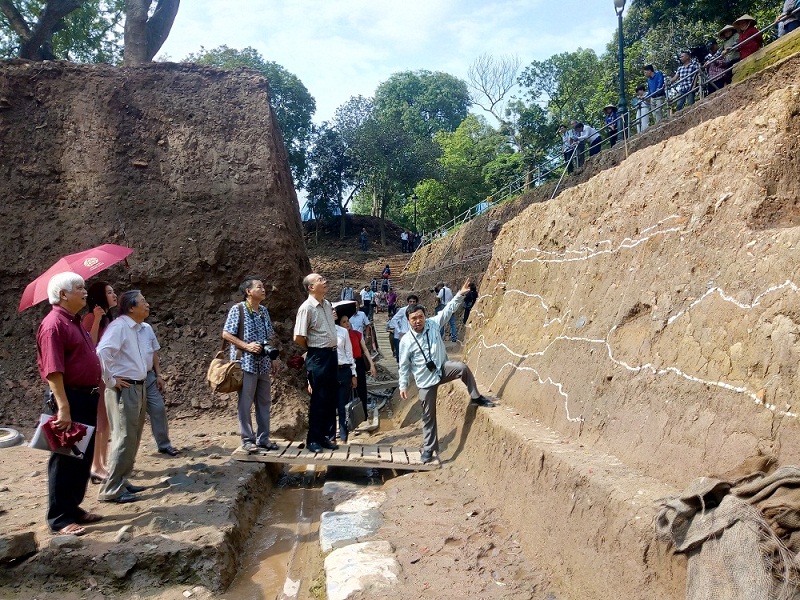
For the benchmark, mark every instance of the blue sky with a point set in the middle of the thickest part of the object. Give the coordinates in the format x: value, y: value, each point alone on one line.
x: 342, y: 48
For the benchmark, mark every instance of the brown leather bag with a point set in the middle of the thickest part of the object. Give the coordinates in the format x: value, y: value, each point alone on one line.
x: 225, y: 376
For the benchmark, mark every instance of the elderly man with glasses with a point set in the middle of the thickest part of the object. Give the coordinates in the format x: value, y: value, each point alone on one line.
x: 315, y: 331
x: 125, y: 375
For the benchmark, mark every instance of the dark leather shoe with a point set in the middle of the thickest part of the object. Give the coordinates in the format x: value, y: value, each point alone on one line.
x: 124, y: 498
x: 135, y: 489
x: 482, y: 401
x: 329, y: 445
x: 314, y: 447
x: 172, y: 451
x: 426, y: 457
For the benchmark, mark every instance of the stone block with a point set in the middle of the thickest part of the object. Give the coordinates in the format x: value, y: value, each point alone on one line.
x: 340, y: 529
x: 368, y: 566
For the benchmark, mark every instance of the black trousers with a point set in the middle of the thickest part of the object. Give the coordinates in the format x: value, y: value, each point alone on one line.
x: 361, y: 375
x: 344, y: 393
x: 321, y: 368
x: 67, y: 477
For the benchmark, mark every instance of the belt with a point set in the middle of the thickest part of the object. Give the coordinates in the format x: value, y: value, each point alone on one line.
x: 83, y: 389
x: 344, y: 367
x: 329, y: 348
x: 133, y: 381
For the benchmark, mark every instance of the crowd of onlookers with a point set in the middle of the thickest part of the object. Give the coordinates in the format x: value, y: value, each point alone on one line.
x: 702, y: 71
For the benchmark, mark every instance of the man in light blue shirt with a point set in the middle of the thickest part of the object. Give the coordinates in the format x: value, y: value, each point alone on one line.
x: 422, y: 354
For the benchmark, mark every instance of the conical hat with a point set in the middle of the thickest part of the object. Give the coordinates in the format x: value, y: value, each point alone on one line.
x: 745, y: 17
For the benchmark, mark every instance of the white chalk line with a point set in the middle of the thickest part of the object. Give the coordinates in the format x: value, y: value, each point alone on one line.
x: 587, y: 253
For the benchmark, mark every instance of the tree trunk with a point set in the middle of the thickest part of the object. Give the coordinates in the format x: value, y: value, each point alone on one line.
x: 376, y: 205
x: 136, y: 32
x: 159, y: 26
x: 144, y: 37
x: 383, y: 222
x: 36, y: 43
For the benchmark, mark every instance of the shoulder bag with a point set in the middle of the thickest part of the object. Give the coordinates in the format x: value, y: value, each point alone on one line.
x: 226, y: 376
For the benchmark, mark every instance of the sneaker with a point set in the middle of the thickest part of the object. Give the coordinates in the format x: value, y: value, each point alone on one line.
x: 250, y: 447
x: 426, y: 456
x: 267, y: 447
x: 482, y: 401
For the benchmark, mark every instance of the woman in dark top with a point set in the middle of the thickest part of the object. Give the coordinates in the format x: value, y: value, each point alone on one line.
x: 100, y: 300
x: 469, y: 300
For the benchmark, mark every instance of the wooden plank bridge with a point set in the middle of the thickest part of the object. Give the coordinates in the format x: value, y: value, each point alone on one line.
x: 348, y: 455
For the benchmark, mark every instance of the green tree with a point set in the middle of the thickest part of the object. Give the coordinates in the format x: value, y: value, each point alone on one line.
x: 461, y: 180
x: 720, y: 12
x: 76, y: 30
x: 290, y: 100
x: 332, y: 175
x: 568, y: 84
x: 423, y: 102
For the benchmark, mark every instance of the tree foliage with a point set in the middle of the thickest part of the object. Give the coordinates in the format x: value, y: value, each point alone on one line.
x: 462, y: 172
x: 332, y: 174
x: 423, y: 102
x: 391, y: 137
x: 290, y: 99
x: 568, y: 84
x: 720, y: 12
x: 76, y: 30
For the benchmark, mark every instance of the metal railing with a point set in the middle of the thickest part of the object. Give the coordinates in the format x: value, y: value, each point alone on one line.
x: 540, y: 174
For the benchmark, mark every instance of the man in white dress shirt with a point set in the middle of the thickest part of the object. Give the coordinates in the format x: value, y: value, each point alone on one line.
x: 124, y: 373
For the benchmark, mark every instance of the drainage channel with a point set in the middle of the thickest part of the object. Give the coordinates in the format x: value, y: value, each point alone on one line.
x: 283, y: 555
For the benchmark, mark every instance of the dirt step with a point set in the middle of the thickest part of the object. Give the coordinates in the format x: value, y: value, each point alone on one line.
x: 578, y: 510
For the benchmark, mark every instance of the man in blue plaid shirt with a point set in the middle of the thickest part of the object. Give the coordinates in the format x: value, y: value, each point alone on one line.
x: 686, y: 78
x: 256, y: 363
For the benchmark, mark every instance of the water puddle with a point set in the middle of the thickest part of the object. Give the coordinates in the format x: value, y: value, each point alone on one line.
x: 278, y: 558
x: 287, y: 529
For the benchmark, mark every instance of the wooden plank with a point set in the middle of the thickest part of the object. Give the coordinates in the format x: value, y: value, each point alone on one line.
x: 399, y: 456
x: 354, y: 455
x: 385, y: 452
x: 414, y: 457
x: 293, y: 450
x: 342, y: 453
x: 370, y: 454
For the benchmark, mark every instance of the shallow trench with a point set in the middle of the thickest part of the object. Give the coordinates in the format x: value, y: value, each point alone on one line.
x: 283, y: 557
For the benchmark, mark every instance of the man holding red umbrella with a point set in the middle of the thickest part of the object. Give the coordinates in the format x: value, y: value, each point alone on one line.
x: 67, y: 362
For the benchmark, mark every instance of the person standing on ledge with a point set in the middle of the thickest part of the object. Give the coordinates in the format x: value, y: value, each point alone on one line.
x: 422, y: 353
x: 315, y: 331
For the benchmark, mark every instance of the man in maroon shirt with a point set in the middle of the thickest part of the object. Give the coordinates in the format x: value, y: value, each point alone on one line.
x: 68, y: 363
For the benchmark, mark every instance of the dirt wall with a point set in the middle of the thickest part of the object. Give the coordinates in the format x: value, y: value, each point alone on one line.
x: 660, y: 300
x: 182, y: 163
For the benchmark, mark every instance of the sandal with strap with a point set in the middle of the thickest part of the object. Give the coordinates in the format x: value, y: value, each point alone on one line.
x: 71, y: 529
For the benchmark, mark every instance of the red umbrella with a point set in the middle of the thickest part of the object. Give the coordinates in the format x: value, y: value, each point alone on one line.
x: 86, y: 264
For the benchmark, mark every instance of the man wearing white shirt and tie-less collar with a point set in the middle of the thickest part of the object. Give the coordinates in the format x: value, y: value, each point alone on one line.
x: 422, y: 353
x: 124, y: 373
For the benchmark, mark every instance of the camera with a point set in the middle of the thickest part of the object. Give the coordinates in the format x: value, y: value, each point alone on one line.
x: 431, y: 366
x: 267, y: 350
